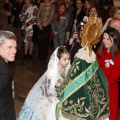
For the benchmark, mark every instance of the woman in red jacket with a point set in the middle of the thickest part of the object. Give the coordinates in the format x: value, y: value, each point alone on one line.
x: 108, y: 57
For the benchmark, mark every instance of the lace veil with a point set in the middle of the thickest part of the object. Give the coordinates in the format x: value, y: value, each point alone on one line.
x: 53, y: 65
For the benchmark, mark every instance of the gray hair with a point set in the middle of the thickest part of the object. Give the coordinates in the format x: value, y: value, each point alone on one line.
x: 6, y: 35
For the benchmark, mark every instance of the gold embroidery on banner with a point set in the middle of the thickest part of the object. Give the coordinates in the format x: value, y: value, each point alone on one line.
x: 64, y: 86
x: 96, y: 97
x: 73, y: 117
x: 81, y: 84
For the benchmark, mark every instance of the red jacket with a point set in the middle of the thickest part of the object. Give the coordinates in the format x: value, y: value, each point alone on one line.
x: 112, y: 73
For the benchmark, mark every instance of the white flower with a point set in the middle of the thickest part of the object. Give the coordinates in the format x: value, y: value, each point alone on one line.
x: 62, y: 17
x: 109, y: 61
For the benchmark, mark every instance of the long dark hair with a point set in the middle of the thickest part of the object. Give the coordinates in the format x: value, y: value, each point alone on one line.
x: 61, y: 50
x: 115, y: 49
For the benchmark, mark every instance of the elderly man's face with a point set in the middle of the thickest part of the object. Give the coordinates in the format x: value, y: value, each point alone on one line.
x: 8, y: 50
x: 115, y: 24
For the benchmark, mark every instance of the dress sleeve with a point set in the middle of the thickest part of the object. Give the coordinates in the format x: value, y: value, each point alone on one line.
x: 115, y: 73
x: 39, y: 12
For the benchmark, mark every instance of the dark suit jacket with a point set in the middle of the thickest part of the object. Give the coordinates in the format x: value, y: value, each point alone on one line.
x: 7, y: 111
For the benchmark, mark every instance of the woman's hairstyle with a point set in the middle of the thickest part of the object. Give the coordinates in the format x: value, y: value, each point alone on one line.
x: 61, y: 50
x: 116, y: 8
x: 91, y: 2
x: 115, y: 49
x: 32, y: 2
x: 60, y: 3
x: 80, y: 0
x: 6, y: 35
x: 113, y: 11
x: 91, y: 8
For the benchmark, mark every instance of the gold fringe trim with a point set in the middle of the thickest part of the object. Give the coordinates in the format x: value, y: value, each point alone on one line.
x: 72, y: 117
x: 58, y: 111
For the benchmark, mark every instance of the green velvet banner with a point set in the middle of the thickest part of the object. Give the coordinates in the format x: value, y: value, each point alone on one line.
x: 84, y: 92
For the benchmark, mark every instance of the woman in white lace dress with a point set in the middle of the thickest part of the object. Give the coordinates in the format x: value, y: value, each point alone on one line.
x: 41, y: 101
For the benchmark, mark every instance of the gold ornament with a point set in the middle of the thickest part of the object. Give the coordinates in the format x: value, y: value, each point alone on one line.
x: 91, y: 33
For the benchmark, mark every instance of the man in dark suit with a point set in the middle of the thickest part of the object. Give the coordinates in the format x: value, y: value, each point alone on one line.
x: 7, y: 53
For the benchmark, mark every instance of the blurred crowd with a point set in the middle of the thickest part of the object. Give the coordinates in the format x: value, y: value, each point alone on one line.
x: 51, y: 21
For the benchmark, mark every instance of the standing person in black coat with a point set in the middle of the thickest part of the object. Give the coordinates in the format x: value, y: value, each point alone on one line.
x: 78, y: 15
x: 7, y: 53
x: 16, y: 9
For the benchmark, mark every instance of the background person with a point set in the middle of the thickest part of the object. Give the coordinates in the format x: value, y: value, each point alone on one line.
x: 45, y: 15
x: 116, y: 16
x: 15, y: 11
x: 108, y: 56
x: 115, y: 23
x: 78, y: 15
x: 92, y: 12
x: 88, y: 4
x: 59, y: 25
x: 28, y: 19
x: 69, y: 10
x: 73, y: 45
x: 106, y: 9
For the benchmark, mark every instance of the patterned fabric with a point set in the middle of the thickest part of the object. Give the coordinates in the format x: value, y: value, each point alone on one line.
x: 28, y: 16
x: 84, y: 93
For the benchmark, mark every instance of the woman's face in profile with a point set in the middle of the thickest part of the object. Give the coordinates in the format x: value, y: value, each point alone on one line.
x: 64, y: 60
x: 108, y: 41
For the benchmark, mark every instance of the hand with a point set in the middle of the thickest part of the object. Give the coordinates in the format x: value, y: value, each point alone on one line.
x: 55, y: 33
x: 8, y: 13
x: 75, y: 35
x: 25, y: 25
x: 40, y: 27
